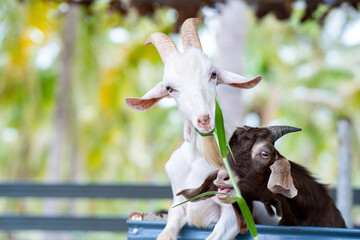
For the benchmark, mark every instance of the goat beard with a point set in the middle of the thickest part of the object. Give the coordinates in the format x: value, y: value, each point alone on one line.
x: 210, y: 150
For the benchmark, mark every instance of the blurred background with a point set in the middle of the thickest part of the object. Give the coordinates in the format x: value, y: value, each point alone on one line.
x: 67, y: 66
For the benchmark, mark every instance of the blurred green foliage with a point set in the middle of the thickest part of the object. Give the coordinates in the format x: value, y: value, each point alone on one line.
x: 308, y: 83
x: 114, y: 144
x: 110, y: 137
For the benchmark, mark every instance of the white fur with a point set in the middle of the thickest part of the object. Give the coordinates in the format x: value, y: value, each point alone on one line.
x: 189, y: 74
x: 187, y: 168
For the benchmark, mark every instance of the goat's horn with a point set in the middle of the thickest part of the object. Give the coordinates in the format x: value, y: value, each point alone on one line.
x: 189, y: 34
x: 164, y: 45
x: 279, y: 131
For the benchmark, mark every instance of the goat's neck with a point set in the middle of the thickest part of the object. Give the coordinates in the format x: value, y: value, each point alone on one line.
x: 288, y: 209
x: 205, y: 146
x: 310, y: 198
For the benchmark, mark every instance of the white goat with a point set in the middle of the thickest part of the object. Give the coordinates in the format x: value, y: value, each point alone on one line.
x: 190, y: 79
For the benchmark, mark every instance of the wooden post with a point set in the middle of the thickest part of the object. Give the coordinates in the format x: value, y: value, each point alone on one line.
x: 344, y: 193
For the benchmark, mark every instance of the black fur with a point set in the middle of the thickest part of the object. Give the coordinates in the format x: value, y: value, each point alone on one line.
x: 312, y: 206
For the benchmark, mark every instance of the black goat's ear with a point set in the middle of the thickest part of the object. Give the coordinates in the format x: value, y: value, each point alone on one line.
x: 280, y: 180
x: 208, y: 185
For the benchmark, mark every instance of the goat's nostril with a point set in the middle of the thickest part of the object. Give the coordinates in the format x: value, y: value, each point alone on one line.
x: 226, y: 178
x: 204, y: 120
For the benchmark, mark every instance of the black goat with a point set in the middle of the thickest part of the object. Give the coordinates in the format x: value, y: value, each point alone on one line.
x: 262, y: 174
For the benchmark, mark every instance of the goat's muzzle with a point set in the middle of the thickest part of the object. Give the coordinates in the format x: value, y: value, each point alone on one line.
x: 204, y: 120
x: 224, y: 185
x: 204, y: 123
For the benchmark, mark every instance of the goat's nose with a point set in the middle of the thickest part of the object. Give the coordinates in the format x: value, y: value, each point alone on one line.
x: 223, y: 175
x: 204, y: 120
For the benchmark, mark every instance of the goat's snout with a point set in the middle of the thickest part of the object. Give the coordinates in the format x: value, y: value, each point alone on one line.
x: 205, y: 123
x: 223, y: 175
x: 204, y: 120
x: 224, y: 185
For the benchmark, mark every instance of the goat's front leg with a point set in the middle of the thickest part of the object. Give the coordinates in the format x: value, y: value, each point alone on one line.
x: 226, y: 228
x: 175, y: 221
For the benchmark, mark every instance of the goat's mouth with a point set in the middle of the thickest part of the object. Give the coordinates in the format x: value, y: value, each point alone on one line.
x: 222, y: 189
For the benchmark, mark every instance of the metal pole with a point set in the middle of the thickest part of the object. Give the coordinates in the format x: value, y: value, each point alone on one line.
x: 344, y: 194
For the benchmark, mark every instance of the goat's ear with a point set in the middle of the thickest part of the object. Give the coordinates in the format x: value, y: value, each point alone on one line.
x: 235, y: 80
x: 208, y: 185
x: 280, y: 180
x: 149, y: 99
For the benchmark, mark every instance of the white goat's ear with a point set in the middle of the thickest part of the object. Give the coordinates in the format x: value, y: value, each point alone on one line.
x: 235, y: 80
x: 149, y: 99
x: 280, y: 180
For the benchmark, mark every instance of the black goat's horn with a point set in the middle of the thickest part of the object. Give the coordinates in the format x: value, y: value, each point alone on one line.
x: 279, y: 131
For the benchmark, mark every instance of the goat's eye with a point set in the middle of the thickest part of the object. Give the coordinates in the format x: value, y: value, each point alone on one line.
x: 264, y: 154
x: 169, y: 89
x: 213, y: 75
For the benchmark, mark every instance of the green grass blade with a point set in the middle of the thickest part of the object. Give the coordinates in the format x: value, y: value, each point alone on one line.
x: 241, y: 202
x: 228, y: 147
x: 220, y: 130
x: 248, y: 217
x: 200, y: 196
x: 246, y: 213
x: 204, y: 134
x: 233, y: 198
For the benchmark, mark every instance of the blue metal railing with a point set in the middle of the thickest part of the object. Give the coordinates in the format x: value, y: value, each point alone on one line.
x: 72, y: 191
x: 149, y: 230
x: 91, y: 191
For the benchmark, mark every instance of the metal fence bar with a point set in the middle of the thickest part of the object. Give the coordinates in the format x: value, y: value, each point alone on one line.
x: 356, y: 195
x: 20, y: 190
x: 62, y: 223
x: 97, y: 191
x: 69, y: 190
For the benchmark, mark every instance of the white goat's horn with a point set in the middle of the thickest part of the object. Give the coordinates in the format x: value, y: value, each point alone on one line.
x: 164, y: 45
x: 189, y: 34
